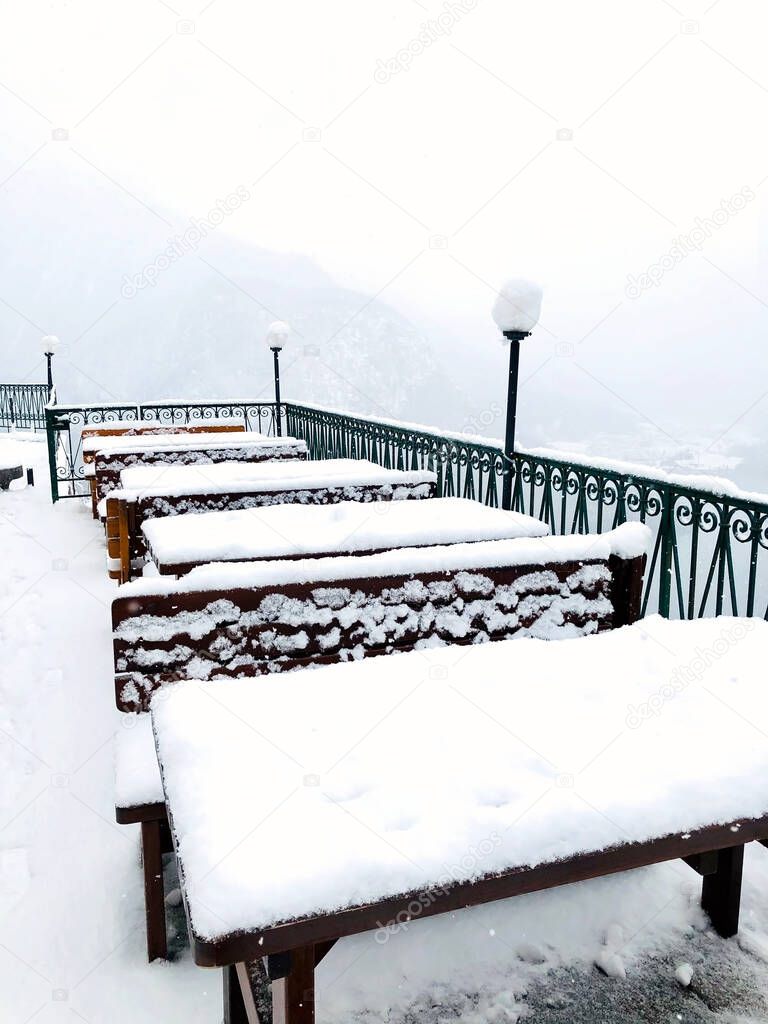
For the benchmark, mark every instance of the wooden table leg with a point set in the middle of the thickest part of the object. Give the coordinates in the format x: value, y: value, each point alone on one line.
x: 234, y: 1006
x: 703, y: 863
x: 721, y: 891
x: 125, y: 543
x: 154, y: 893
x: 241, y: 1000
x: 293, y: 997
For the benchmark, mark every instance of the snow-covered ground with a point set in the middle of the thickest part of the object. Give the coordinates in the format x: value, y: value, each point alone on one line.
x: 71, y: 912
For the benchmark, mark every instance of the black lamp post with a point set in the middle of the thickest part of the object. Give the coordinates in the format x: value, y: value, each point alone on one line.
x: 277, y: 336
x: 50, y: 343
x: 514, y: 338
x: 516, y: 312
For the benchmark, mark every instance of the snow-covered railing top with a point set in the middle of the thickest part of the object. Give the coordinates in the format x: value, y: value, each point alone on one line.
x: 135, y: 410
x: 711, y: 537
x: 351, y: 527
x: 703, y: 483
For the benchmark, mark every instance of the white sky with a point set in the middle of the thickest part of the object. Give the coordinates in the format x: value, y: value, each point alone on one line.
x: 180, y: 103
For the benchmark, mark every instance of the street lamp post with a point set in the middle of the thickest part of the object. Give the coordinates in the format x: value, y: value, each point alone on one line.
x: 514, y: 338
x: 49, y: 345
x: 277, y: 336
x: 516, y: 312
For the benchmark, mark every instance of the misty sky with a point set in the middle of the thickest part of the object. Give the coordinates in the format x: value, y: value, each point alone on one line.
x: 423, y: 151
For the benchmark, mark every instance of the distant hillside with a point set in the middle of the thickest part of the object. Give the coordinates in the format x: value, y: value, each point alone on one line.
x: 78, y: 245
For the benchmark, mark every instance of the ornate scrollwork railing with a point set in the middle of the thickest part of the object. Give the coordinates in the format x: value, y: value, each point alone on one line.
x: 23, y: 406
x: 710, y: 551
x: 65, y: 425
x: 709, y: 554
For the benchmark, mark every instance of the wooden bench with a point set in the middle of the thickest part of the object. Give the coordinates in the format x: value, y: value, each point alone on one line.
x: 261, y: 619
x: 136, y: 429
x: 8, y: 474
x: 437, y: 775
x: 181, y: 490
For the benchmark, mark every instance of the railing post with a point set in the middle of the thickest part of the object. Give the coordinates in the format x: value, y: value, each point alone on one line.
x: 666, y: 550
x: 723, y: 544
x: 51, y: 438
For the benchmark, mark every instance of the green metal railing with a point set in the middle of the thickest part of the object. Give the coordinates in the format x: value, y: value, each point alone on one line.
x: 65, y: 423
x: 709, y: 553
x: 23, y: 406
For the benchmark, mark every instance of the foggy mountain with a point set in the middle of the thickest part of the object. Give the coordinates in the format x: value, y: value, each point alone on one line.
x: 193, y: 327
x: 84, y: 260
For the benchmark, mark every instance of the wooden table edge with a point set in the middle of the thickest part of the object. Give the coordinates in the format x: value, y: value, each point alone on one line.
x: 243, y: 946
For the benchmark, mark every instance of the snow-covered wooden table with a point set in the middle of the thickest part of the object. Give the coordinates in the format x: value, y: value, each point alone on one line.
x: 153, y: 436
x: 263, y: 618
x: 256, y: 618
x: 92, y: 437
x: 357, y: 797
x: 112, y: 455
x: 149, y: 492
x: 178, y: 544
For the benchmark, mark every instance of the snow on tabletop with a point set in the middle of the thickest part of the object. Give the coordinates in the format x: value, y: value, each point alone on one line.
x: 117, y: 442
x: 349, y: 526
x: 265, y: 476
x: 410, y: 772
x: 143, y: 426
x: 139, y: 443
x: 137, y: 774
x: 518, y: 305
x: 629, y: 540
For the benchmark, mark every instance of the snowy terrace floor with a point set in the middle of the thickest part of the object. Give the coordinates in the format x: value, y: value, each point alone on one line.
x: 71, y: 912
